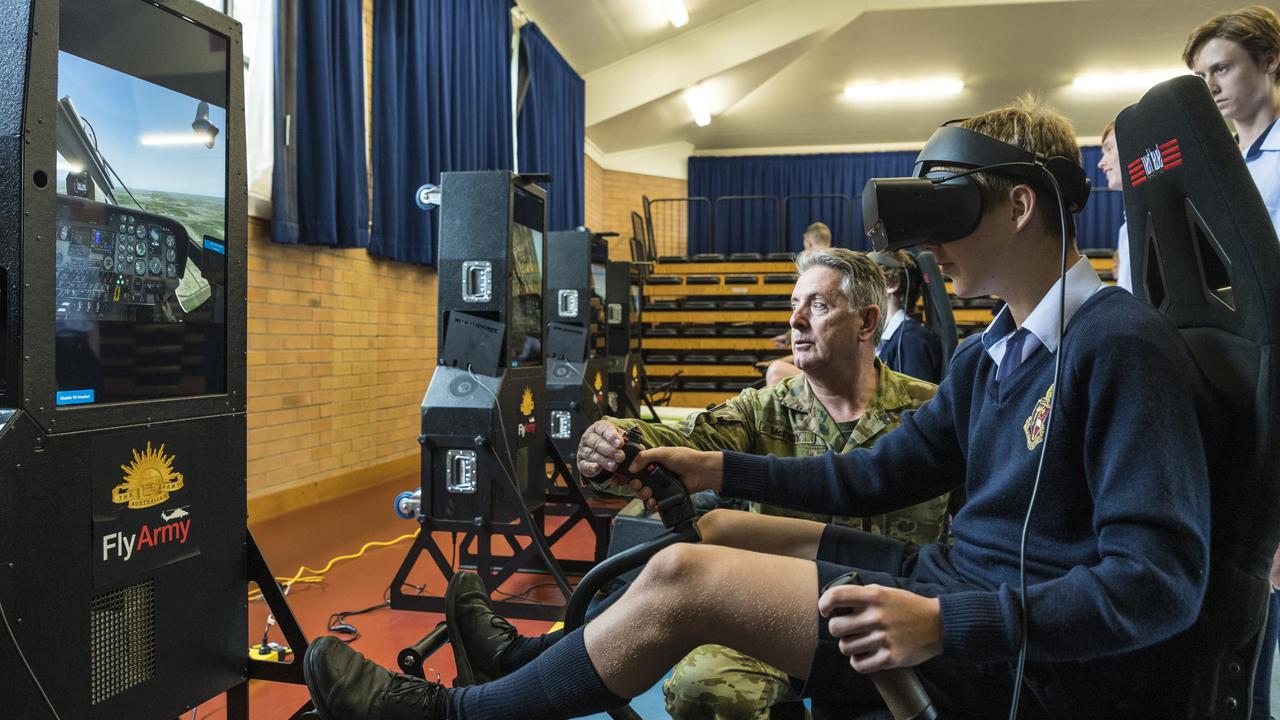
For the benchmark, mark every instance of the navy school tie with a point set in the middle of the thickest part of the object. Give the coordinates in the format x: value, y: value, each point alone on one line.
x: 1012, y: 354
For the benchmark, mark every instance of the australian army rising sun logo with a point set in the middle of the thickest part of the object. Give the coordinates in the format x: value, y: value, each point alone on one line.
x: 148, y: 481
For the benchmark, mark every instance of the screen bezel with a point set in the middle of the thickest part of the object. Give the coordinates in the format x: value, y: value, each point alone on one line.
x: 37, y: 375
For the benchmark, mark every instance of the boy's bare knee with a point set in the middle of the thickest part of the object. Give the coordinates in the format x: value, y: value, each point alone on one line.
x: 713, y: 525
x: 674, y: 569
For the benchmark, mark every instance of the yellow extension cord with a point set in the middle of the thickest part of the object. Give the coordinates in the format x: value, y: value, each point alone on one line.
x: 317, y: 576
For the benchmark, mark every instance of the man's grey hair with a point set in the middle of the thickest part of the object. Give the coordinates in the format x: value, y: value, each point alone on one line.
x: 861, y: 279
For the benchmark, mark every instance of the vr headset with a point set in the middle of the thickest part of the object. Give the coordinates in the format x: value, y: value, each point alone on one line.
x: 937, y: 206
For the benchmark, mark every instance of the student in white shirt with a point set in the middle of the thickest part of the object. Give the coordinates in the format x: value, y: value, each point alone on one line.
x: 1238, y: 55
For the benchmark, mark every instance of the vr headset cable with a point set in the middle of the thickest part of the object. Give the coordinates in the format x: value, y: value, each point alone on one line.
x: 1023, y: 625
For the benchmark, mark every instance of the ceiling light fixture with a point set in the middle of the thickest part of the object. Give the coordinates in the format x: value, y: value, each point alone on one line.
x: 1122, y: 81
x: 696, y: 99
x: 903, y: 89
x: 676, y: 12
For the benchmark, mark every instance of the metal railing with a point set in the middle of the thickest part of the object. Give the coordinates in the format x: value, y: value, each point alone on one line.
x: 743, y: 222
x: 671, y: 220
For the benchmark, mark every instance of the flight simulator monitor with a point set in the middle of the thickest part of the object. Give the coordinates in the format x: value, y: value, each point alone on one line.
x: 524, y: 341
x: 141, y: 211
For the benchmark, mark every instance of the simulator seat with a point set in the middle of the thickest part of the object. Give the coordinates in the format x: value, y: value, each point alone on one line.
x: 938, y: 316
x: 1207, y: 256
x: 1206, y: 253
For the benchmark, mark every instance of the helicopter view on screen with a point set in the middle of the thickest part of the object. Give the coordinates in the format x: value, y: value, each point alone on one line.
x: 141, y: 212
x: 524, y: 332
x: 597, y: 318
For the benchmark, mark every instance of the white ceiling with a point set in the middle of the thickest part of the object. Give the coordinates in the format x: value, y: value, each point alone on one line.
x: 774, y: 69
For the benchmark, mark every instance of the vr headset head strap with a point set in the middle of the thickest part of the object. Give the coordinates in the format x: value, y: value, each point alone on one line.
x: 885, y: 259
x: 957, y: 147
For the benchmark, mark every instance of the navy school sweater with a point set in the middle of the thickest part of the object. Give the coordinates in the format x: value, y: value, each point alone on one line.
x: 921, y: 351
x: 1118, y: 547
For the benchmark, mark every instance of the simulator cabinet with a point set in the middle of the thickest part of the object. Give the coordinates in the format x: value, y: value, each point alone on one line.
x: 490, y: 382
x: 124, y: 554
x: 484, y: 439
x: 622, y: 307
x: 576, y: 357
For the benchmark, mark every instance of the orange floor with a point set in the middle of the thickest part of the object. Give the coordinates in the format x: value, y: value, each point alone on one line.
x: 313, y: 535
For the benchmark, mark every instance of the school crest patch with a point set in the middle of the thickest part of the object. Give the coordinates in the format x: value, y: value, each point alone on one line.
x: 1034, y: 427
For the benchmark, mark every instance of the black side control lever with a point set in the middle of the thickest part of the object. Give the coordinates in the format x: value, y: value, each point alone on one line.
x: 900, y: 688
x: 674, y: 506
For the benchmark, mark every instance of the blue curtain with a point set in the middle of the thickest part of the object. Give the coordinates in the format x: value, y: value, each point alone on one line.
x: 441, y: 103
x: 756, y: 226
x: 320, y: 192
x: 1097, y: 226
x: 551, y: 128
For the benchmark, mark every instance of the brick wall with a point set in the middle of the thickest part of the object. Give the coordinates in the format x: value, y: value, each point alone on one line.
x: 622, y: 194
x: 593, y: 177
x: 341, y: 347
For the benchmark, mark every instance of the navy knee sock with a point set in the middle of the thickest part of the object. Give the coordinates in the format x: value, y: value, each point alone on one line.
x: 561, y: 684
x: 523, y: 650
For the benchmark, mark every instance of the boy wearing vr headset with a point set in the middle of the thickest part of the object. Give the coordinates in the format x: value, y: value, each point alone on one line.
x: 1115, y: 557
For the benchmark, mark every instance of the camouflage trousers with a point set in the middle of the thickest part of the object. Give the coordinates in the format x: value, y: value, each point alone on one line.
x: 718, y: 683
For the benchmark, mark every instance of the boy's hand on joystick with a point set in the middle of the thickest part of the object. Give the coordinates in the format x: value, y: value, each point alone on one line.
x: 661, y: 490
x: 697, y: 470
x: 878, y: 627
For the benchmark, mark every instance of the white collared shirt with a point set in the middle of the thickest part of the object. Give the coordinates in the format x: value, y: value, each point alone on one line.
x: 1042, y: 323
x: 1124, y: 273
x: 892, y: 324
x: 1263, y: 161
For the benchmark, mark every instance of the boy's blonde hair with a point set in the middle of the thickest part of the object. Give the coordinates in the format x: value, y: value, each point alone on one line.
x: 1033, y: 125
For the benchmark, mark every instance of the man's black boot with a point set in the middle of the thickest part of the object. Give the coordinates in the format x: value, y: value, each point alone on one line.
x: 344, y: 685
x: 478, y: 634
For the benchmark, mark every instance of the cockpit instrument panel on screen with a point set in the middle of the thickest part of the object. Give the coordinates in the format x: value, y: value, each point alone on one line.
x: 141, y: 211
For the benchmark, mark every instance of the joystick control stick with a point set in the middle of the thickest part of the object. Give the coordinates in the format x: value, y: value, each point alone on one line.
x: 674, y: 506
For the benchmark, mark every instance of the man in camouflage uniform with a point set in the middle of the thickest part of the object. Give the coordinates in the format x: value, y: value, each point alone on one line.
x: 837, y: 353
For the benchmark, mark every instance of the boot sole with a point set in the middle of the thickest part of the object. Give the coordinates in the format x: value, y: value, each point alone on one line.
x: 316, y: 698
x: 465, y: 675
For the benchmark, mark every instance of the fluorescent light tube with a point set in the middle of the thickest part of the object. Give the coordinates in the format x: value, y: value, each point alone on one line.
x: 1122, y: 81
x: 696, y: 99
x: 903, y: 89
x: 676, y: 12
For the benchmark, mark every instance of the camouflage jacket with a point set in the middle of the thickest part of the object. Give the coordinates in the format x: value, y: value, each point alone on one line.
x: 787, y: 420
